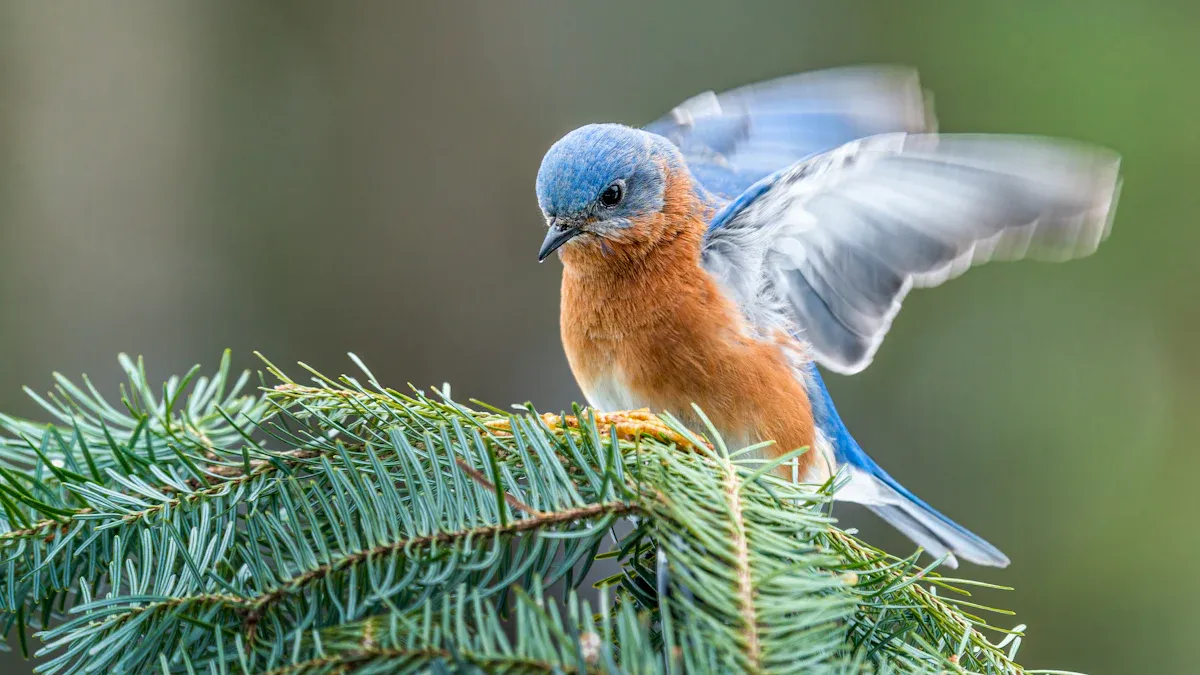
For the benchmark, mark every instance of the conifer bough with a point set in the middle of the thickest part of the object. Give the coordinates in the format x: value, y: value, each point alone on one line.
x: 329, y: 526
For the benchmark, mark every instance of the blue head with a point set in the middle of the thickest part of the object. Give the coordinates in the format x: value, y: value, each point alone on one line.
x: 599, y: 182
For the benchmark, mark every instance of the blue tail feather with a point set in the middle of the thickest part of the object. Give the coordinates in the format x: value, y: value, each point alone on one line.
x: 871, y: 486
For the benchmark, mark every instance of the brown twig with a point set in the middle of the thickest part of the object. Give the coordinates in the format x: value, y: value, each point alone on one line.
x: 265, y: 601
x: 491, y: 487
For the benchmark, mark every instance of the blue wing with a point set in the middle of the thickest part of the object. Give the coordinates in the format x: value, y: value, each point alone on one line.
x: 734, y: 139
x: 838, y: 205
x: 831, y: 245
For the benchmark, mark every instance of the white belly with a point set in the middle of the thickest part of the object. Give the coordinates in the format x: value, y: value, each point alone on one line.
x: 608, y: 393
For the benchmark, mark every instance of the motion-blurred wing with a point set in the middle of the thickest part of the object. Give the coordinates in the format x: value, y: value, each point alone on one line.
x: 732, y: 140
x: 834, y: 243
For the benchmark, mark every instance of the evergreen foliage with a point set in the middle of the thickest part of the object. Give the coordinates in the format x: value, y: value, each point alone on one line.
x: 338, y: 525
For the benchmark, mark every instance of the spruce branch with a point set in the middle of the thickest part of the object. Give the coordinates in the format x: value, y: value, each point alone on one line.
x: 338, y: 524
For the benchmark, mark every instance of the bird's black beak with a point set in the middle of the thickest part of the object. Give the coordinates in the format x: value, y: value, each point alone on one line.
x: 558, y: 235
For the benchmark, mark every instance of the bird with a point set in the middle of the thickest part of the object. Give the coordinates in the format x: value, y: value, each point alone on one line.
x: 718, y: 255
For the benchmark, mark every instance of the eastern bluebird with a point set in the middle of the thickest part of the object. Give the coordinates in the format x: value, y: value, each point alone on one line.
x: 715, y: 255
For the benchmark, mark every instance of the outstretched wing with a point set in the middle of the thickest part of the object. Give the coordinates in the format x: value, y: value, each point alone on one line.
x: 732, y: 140
x: 832, y: 244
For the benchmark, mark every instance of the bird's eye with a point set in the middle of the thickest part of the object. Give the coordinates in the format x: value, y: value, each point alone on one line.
x: 613, y: 194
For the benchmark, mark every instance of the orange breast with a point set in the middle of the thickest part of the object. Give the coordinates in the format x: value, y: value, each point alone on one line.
x: 650, y: 320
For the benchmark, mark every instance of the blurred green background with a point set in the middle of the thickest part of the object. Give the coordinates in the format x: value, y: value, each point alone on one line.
x: 308, y: 179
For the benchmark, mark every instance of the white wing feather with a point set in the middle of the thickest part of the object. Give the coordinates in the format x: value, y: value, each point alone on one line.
x: 831, y: 245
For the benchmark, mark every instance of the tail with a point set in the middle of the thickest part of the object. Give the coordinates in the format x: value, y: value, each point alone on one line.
x: 872, y: 487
